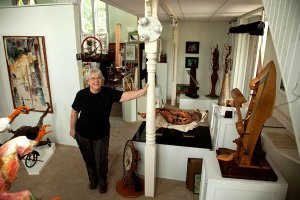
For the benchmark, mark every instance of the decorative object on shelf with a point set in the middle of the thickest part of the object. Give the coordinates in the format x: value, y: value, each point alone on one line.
x: 28, y: 71
x: 192, y: 47
x: 214, y: 76
x: 163, y: 57
x: 130, y: 185
x: 248, y: 160
x: 192, y: 90
x: 191, y: 61
x: 225, y: 89
x: 91, y: 50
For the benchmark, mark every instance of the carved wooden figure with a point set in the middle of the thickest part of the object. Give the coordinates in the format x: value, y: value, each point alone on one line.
x: 214, y: 76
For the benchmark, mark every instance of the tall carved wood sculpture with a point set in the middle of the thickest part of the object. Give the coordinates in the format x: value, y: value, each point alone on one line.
x: 214, y: 76
x: 249, y: 153
x: 118, y: 56
x: 192, y: 90
x: 225, y: 90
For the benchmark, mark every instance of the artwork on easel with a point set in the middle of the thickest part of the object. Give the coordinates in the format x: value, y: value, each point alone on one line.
x: 28, y: 71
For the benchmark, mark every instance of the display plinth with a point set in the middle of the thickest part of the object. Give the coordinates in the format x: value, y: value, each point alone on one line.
x: 46, y: 153
x: 129, y: 192
x: 229, y: 169
x: 216, y: 187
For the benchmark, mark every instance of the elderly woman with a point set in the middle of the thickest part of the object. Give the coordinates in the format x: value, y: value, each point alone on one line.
x: 92, y: 128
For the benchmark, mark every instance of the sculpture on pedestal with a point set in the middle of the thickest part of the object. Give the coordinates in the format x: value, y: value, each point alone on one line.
x: 192, y: 90
x: 248, y: 160
x: 214, y: 76
x: 225, y: 90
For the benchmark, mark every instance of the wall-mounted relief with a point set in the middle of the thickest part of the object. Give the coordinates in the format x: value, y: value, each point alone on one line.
x: 28, y: 72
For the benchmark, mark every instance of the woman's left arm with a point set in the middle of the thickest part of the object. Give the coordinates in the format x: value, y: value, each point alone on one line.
x: 129, y: 95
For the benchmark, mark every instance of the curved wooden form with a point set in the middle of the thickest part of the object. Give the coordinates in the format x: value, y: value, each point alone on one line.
x: 260, y: 109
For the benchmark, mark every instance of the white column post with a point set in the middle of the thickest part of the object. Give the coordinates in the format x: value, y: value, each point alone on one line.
x: 174, y: 78
x: 149, y: 30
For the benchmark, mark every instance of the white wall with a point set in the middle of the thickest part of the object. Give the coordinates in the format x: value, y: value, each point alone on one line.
x: 127, y: 20
x: 208, y: 34
x: 284, y: 21
x: 60, y: 26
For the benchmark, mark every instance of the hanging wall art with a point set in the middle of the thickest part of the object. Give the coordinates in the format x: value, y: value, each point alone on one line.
x: 28, y: 71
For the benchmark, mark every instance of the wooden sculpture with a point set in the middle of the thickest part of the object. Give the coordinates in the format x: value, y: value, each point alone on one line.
x: 225, y: 89
x: 214, y: 76
x: 249, y: 154
x: 192, y: 90
x: 176, y: 116
x: 6, y: 121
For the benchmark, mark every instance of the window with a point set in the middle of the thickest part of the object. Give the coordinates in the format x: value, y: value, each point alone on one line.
x: 94, y: 21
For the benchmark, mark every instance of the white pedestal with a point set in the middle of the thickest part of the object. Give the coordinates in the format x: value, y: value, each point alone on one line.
x: 215, y: 187
x: 162, y: 79
x: 129, y: 110
x: 202, y: 103
x: 46, y: 153
x: 171, y: 161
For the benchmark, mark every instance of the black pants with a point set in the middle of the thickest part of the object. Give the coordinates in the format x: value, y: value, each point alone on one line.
x: 94, y: 153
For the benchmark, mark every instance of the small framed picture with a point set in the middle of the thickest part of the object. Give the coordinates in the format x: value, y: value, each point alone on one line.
x: 192, y: 47
x: 191, y: 61
x: 130, y: 52
x: 197, y: 181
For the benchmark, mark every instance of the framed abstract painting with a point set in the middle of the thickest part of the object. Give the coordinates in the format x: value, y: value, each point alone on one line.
x: 28, y: 71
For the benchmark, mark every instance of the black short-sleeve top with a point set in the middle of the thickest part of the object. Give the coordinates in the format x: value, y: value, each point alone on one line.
x: 94, y: 111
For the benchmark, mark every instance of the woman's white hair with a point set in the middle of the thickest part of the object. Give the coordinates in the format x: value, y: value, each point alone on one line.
x: 94, y: 71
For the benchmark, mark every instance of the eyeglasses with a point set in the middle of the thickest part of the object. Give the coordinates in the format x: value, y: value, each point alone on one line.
x: 95, y: 78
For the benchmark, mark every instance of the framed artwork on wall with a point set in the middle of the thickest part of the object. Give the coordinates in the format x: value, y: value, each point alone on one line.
x: 190, y: 61
x: 130, y: 52
x: 28, y: 71
x: 192, y: 47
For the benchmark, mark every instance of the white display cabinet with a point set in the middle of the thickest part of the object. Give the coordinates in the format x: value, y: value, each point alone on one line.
x: 215, y: 187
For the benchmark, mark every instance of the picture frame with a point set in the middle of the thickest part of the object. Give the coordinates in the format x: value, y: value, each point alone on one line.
x: 197, y: 181
x: 194, y: 166
x: 130, y: 52
x: 190, y: 61
x: 192, y: 47
x: 182, y: 89
x: 28, y: 71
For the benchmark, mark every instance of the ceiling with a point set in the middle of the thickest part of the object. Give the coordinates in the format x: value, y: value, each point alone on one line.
x: 200, y: 10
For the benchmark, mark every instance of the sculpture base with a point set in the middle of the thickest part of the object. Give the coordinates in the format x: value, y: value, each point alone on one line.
x: 129, y: 192
x: 212, y: 96
x: 194, y: 96
x: 231, y: 170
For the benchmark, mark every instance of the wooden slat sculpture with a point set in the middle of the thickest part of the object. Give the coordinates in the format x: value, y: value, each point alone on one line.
x: 249, y: 153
